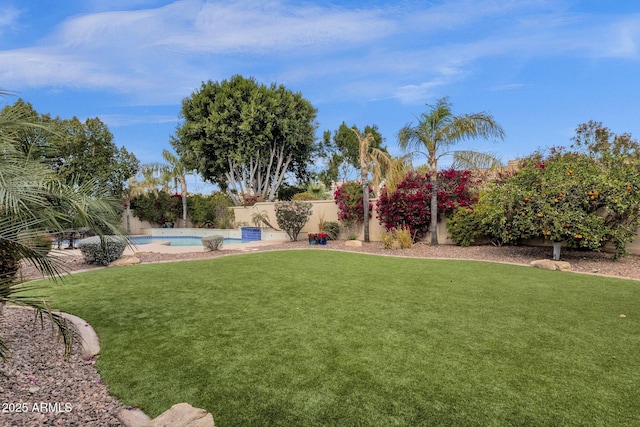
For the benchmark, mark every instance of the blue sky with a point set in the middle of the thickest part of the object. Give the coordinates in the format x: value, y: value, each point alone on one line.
x: 540, y: 67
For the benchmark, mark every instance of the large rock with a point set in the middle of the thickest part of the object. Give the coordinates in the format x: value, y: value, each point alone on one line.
x: 133, y: 418
x: 549, y: 264
x: 183, y: 415
x: 355, y: 243
x: 125, y: 260
x: 88, y: 337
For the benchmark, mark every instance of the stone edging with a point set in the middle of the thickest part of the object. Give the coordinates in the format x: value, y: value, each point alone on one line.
x: 91, y: 348
x: 88, y: 337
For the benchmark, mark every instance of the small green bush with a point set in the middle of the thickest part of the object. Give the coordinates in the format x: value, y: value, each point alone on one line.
x: 300, y: 197
x: 212, y: 243
x: 404, y: 238
x: 102, y: 251
x: 397, y: 239
x: 388, y: 240
x: 332, y: 228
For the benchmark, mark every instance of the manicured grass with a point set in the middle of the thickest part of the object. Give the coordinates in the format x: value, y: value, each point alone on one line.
x: 320, y: 338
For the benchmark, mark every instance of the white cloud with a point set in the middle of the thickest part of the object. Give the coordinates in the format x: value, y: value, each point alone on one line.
x: 35, y: 67
x: 407, y: 51
x: 275, y: 26
x: 119, y: 120
x: 9, y: 17
x: 222, y: 27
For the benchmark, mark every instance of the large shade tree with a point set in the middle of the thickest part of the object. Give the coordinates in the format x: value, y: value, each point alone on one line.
x: 79, y: 152
x: 87, y: 153
x: 437, y: 131
x: 246, y: 137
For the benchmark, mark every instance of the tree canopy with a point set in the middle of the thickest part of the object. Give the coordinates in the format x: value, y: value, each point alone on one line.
x: 585, y: 196
x: 342, y: 151
x: 246, y: 137
x: 77, y: 151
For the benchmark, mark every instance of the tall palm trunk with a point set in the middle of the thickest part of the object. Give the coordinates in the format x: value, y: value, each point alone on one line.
x: 365, y: 204
x: 434, y: 210
x: 128, y: 210
x: 183, y: 191
x: 433, y: 177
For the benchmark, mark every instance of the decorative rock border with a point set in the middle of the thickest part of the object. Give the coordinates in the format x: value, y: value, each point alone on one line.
x: 179, y: 415
x: 88, y: 337
x: 549, y: 264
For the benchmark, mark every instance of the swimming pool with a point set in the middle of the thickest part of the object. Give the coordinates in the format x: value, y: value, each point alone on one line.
x: 178, y: 240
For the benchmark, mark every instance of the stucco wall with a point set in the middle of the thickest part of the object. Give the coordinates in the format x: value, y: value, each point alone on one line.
x: 329, y: 210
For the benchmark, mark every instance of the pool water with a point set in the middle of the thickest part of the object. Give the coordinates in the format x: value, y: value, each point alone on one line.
x: 177, y: 240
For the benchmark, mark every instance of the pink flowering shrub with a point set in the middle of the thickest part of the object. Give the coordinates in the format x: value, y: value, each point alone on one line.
x: 348, y: 197
x: 409, y: 206
x: 292, y: 216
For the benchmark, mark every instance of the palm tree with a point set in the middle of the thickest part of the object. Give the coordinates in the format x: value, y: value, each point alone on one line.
x: 32, y: 205
x: 436, y: 132
x: 372, y: 160
x: 137, y: 188
x: 176, y: 170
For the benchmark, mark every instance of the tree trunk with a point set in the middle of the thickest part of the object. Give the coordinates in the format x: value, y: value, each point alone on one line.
x: 183, y: 191
x: 434, y: 208
x: 556, y: 250
x: 128, y: 217
x: 365, y: 205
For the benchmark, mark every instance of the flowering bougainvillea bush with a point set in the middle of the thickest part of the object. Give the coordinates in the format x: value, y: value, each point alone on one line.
x: 292, y: 216
x: 157, y: 207
x: 409, y: 206
x: 585, y: 197
x: 348, y: 197
x: 250, y: 199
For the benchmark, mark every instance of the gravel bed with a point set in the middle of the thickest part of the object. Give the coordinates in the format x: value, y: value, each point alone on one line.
x: 37, y: 373
x: 40, y: 387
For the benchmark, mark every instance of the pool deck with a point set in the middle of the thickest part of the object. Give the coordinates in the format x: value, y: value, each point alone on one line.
x: 159, y: 247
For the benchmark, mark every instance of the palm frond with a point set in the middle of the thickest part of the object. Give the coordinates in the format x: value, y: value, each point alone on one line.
x: 473, y: 126
x: 469, y: 159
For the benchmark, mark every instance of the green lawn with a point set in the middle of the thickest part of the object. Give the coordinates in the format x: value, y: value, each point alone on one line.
x: 319, y: 338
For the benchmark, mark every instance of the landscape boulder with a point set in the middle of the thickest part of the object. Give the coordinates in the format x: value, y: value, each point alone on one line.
x: 183, y: 415
x: 549, y: 264
x: 355, y: 243
x: 125, y: 260
x: 133, y: 418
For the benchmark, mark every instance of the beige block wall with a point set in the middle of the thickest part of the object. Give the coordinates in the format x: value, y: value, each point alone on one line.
x: 321, y: 208
x: 137, y: 227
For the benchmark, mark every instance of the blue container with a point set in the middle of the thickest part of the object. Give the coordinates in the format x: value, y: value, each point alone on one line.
x: 251, y: 234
